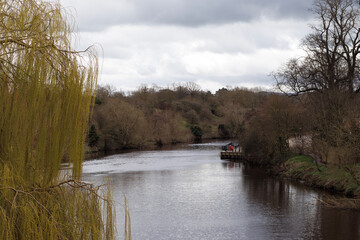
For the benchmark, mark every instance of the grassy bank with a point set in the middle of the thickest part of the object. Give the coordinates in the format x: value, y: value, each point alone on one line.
x: 344, y: 180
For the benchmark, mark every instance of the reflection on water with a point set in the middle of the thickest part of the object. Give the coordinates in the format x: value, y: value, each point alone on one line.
x: 190, y: 193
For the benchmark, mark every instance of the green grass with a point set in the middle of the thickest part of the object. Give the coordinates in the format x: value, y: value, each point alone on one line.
x: 345, y: 179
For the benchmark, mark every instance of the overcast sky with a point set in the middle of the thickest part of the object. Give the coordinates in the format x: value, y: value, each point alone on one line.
x: 214, y: 43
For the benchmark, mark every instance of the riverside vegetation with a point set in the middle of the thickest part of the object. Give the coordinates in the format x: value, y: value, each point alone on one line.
x: 344, y: 179
x: 327, y: 81
x: 46, y: 91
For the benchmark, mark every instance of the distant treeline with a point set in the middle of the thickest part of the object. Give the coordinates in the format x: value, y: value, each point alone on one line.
x: 270, y: 125
x: 261, y: 121
x: 157, y: 116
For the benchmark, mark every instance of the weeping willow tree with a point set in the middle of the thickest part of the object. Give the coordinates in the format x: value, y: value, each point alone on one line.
x: 46, y: 92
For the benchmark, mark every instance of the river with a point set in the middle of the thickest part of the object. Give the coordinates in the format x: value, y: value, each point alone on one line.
x: 189, y: 193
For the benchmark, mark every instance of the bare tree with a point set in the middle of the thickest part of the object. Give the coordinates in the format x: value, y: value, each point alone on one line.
x: 332, y: 52
x: 329, y: 73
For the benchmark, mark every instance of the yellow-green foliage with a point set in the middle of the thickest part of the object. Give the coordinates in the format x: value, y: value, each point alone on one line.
x: 69, y: 210
x: 46, y: 93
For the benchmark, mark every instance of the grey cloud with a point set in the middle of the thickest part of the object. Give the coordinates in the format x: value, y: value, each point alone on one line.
x: 205, y: 41
x: 200, y: 12
x: 95, y: 15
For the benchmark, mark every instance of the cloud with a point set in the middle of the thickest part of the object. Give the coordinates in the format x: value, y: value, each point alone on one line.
x: 214, y: 43
x: 124, y: 41
x: 94, y: 15
x: 241, y: 54
x: 202, y: 12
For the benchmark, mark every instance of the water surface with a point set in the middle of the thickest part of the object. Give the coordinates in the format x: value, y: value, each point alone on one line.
x: 189, y: 193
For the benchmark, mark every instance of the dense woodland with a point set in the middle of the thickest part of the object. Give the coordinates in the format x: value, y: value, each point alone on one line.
x: 271, y: 125
x: 158, y: 116
x: 261, y: 121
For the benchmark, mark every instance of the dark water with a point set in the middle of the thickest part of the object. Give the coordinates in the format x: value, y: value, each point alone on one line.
x: 189, y: 193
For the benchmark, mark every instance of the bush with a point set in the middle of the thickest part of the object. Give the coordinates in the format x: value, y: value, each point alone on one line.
x: 197, y: 132
x: 93, y: 137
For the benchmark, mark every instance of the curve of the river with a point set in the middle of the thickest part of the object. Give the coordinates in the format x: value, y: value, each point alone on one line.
x: 189, y: 193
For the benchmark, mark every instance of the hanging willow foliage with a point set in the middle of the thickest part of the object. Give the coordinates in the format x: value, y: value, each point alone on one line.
x: 46, y: 92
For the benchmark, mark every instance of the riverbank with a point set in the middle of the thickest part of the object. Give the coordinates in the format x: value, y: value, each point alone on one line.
x: 92, y: 153
x: 95, y: 152
x: 344, y: 180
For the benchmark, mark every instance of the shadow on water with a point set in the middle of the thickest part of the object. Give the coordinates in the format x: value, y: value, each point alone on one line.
x: 305, y: 217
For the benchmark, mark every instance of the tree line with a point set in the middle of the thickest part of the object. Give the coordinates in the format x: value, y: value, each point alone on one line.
x: 156, y: 116
x: 262, y: 121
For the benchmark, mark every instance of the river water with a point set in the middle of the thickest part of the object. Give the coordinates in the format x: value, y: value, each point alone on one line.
x: 189, y: 193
